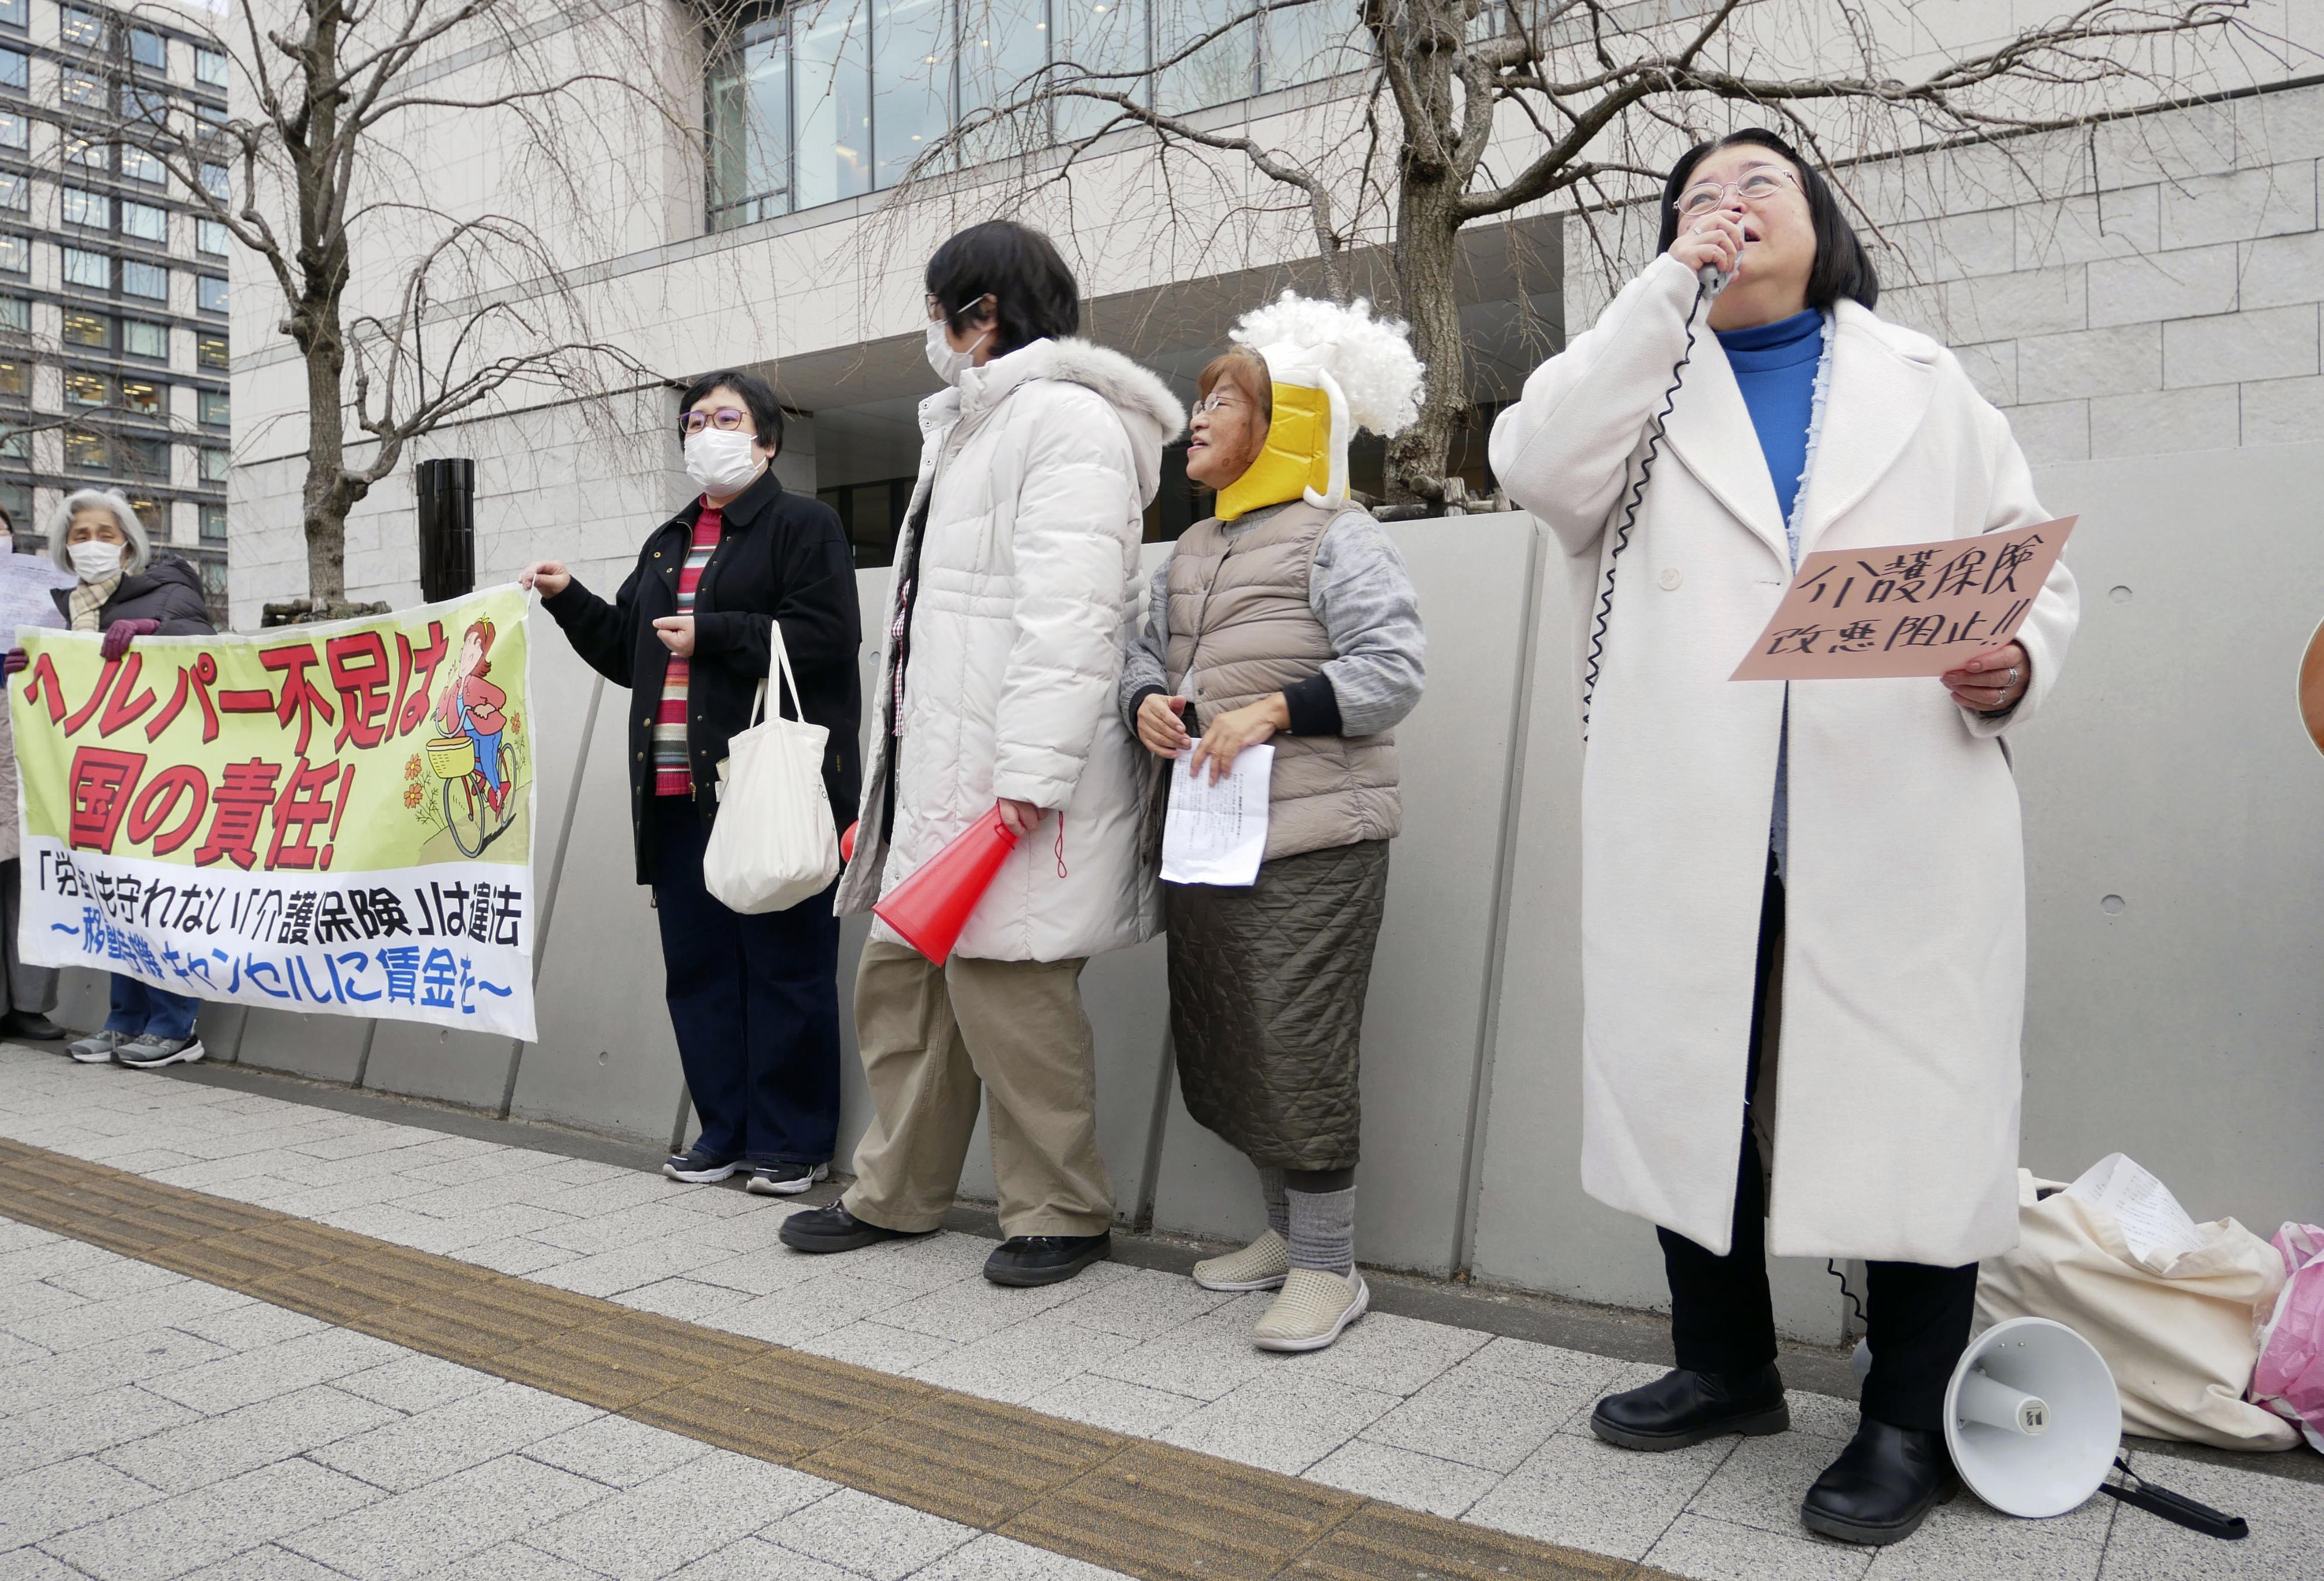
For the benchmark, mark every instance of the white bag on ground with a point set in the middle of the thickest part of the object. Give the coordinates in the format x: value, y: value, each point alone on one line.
x: 774, y: 842
x: 2169, y: 1303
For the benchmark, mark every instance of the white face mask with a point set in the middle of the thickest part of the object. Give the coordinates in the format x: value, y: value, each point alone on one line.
x: 948, y: 363
x: 720, y: 462
x: 93, y: 562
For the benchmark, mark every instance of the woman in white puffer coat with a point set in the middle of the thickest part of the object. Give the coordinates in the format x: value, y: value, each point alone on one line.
x: 1015, y: 583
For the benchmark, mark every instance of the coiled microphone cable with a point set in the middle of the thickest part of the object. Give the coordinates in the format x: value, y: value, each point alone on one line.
x: 1710, y: 283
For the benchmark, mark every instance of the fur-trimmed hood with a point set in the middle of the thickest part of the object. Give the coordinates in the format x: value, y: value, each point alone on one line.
x: 1145, y: 406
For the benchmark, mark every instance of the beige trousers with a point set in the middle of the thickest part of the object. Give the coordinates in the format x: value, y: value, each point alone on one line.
x: 930, y: 1036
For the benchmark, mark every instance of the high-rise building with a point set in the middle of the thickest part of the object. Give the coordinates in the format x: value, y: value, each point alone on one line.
x: 112, y: 287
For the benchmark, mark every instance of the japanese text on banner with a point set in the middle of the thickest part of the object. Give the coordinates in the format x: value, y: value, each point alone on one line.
x: 334, y: 817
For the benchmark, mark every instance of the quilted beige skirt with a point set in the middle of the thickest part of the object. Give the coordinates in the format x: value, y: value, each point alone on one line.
x: 1267, y: 1002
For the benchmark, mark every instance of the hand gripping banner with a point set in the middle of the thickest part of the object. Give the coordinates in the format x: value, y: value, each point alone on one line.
x: 330, y: 817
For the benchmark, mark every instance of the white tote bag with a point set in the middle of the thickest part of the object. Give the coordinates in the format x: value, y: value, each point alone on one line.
x: 773, y: 844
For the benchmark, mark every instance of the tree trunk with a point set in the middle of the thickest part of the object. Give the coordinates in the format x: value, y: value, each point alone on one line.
x: 325, y: 506
x: 1425, y: 253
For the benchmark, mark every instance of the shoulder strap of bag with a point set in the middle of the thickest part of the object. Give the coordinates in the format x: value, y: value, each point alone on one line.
x: 780, y: 671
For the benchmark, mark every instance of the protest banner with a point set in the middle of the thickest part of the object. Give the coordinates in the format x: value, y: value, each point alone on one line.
x: 1906, y: 609
x: 330, y: 817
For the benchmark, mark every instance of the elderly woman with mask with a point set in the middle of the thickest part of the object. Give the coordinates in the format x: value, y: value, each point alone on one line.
x: 1287, y: 616
x: 126, y: 591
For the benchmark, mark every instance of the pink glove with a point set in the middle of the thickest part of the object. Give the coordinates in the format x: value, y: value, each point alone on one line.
x: 17, y: 660
x: 122, y: 633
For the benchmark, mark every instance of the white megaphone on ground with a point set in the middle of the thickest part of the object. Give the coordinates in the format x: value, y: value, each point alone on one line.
x: 2032, y: 1419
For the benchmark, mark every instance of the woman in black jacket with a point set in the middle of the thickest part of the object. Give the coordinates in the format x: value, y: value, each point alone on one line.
x: 126, y: 591
x: 754, y: 1000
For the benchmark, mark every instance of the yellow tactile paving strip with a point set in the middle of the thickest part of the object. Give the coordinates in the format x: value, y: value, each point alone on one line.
x: 1128, y: 1504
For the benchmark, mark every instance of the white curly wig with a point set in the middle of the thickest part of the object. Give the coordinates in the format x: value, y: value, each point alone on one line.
x: 1370, y: 358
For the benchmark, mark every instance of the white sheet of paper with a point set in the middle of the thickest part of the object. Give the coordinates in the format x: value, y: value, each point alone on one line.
x: 1217, y: 834
x: 25, y: 581
x: 2153, y: 1226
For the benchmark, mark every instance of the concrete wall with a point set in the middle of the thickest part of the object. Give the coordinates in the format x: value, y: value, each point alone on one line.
x: 2172, y: 804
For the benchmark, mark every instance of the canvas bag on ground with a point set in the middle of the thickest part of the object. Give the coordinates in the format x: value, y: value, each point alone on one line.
x: 774, y: 842
x: 2169, y: 1307
x: 2289, y: 1379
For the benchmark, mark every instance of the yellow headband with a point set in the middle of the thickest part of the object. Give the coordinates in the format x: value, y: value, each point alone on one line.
x: 1295, y: 459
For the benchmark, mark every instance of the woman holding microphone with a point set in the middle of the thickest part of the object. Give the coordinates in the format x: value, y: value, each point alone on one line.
x: 1803, y: 905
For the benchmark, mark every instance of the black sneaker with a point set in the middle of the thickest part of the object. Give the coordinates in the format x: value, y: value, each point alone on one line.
x: 834, y: 1229
x: 1041, y: 1259
x: 786, y: 1180
x: 36, y: 1029
x: 697, y: 1168
x: 1681, y: 1407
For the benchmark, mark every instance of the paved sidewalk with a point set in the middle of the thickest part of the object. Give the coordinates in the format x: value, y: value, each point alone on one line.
x: 1486, y: 1430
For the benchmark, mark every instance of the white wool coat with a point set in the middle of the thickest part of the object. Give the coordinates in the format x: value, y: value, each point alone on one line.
x: 1036, y: 469
x: 1897, y: 1090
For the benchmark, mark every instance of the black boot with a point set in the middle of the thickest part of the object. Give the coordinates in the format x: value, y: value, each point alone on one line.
x: 1883, y: 1485
x: 38, y: 1029
x: 1684, y: 1407
x: 834, y: 1229
x: 1040, y: 1260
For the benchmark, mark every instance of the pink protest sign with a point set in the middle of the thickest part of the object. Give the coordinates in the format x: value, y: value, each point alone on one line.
x: 1905, y: 609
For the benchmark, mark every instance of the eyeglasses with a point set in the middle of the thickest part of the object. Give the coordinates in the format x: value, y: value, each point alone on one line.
x: 725, y: 419
x: 1217, y: 401
x: 1755, y: 188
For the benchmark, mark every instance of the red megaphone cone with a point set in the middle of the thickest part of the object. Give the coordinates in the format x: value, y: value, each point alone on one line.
x: 931, y: 907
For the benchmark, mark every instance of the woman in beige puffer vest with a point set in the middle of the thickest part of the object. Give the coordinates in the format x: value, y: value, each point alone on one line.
x: 1287, y: 619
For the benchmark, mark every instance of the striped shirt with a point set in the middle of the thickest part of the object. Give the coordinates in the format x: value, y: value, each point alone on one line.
x: 673, y: 774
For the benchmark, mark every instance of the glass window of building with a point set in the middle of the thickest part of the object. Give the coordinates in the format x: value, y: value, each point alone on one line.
x: 750, y: 125
x: 215, y: 464
x: 16, y: 499
x: 88, y: 387
x: 139, y: 165
x: 83, y: 327
x: 831, y: 94
x: 148, y: 106
x: 16, y: 379
x: 210, y: 294
x: 15, y: 314
x: 16, y: 12
x: 84, y: 29
x: 86, y: 451
x: 89, y: 270
x: 209, y: 67
x: 144, y: 397
x: 144, y: 458
x: 16, y: 444
x: 140, y: 337
x: 15, y: 130
x: 210, y: 236
x: 145, y: 222
x: 214, y: 523
x: 1220, y: 72
x: 15, y: 69
x: 15, y: 255
x: 82, y: 90
x: 80, y: 151
x: 89, y: 208
x: 150, y: 281
x: 211, y: 352
x: 217, y: 182
x: 216, y: 411
x: 911, y: 82
x: 153, y: 514
x: 149, y: 49
x: 15, y: 192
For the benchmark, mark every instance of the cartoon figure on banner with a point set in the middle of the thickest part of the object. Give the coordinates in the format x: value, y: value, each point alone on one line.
x: 471, y: 757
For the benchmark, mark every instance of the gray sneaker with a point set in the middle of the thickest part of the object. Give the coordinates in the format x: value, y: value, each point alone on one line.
x: 97, y: 1048
x: 151, y: 1053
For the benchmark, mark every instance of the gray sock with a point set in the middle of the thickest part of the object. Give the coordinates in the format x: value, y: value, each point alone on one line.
x: 1322, y: 1230
x: 1278, y: 1217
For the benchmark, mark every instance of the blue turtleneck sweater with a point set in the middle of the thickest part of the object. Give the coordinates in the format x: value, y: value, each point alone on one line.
x: 1775, y: 366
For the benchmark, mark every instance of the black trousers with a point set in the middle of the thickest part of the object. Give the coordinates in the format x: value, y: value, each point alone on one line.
x: 1723, y: 1317
x: 754, y: 1001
